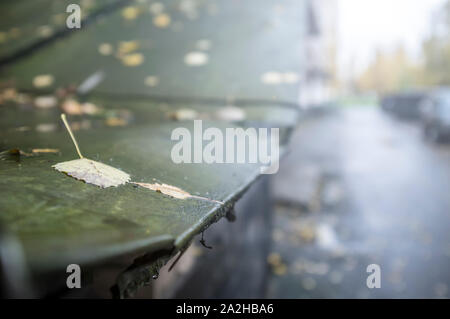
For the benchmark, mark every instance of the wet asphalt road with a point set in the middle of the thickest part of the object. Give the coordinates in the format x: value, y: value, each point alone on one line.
x: 360, y: 188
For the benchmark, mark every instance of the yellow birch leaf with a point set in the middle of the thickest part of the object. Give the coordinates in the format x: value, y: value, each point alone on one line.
x: 90, y: 171
x: 173, y: 191
x: 44, y: 150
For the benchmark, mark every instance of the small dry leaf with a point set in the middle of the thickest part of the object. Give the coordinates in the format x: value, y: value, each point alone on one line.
x: 44, y: 80
x: 9, y: 94
x: 90, y: 108
x: 14, y: 152
x: 169, y: 190
x: 133, y: 59
x: 45, y: 102
x: 93, y: 172
x: 44, y: 150
x: 173, y: 191
x: 183, y: 115
x: 126, y: 47
x: 130, y: 13
x: 72, y: 107
x: 115, y: 121
x: 23, y: 129
x: 45, y: 31
x: 105, y: 49
x: 22, y: 98
x: 162, y: 20
x: 46, y: 127
x: 151, y: 81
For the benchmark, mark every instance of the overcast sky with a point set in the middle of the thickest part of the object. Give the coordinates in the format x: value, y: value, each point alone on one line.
x: 365, y: 25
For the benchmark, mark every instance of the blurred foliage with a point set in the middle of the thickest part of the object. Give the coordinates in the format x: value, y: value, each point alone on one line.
x: 395, y: 70
x: 436, y: 49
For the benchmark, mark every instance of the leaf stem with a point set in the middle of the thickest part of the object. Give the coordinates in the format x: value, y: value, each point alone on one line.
x: 63, y: 117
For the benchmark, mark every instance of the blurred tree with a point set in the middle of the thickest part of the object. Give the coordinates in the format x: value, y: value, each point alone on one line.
x: 388, y: 72
x: 393, y: 71
x: 436, y: 49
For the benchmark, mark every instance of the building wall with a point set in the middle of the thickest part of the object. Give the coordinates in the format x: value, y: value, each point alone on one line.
x: 318, y: 80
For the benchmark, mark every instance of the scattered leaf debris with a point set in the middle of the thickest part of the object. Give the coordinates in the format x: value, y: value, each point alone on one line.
x: 184, y: 114
x: 14, y: 152
x: 126, y: 47
x: 46, y: 128
x: 133, y: 59
x: 115, y: 121
x: 72, y: 107
x: 45, y: 31
x: 130, y: 13
x: 44, y: 150
x: 162, y: 20
x: 42, y: 81
x: 151, y: 80
x: 105, y: 49
x: 45, y: 102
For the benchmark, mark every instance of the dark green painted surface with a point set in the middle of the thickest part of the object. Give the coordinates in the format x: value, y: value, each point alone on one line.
x: 247, y: 40
x: 24, y: 22
x: 61, y: 220
x: 59, y: 217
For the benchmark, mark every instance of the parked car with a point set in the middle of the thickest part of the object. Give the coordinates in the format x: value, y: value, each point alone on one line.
x: 436, y: 115
x: 405, y: 105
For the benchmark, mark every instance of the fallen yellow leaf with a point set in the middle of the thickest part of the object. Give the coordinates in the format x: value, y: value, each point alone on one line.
x: 162, y: 20
x: 133, y: 59
x: 183, y: 115
x: 126, y: 47
x: 93, y: 172
x: 173, y: 191
x: 45, y: 102
x: 105, y: 49
x: 90, y: 171
x: 115, y: 121
x: 72, y: 107
x: 130, y: 13
x: 44, y: 80
x: 44, y: 150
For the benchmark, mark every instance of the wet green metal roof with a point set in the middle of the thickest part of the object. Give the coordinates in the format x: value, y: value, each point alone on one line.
x: 60, y: 220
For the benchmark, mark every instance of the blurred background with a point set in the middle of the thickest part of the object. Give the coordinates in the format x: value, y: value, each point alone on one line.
x: 366, y: 177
